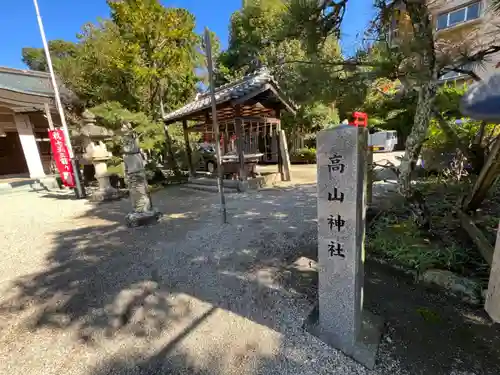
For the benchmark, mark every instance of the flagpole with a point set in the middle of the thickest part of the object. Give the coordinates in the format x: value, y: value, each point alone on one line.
x: 220, y: 183
x: 79, y: 191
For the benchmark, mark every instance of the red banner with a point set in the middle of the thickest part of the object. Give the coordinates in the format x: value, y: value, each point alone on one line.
x: 61, y: 156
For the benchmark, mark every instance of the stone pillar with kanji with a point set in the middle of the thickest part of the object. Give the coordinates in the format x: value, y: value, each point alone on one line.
x: 339, y: 319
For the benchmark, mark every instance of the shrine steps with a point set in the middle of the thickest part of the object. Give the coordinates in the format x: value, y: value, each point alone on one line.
x: 232, y: 186
x: 208, y: 188
x: 210, y: 185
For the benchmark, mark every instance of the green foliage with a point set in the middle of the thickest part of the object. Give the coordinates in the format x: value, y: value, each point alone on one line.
x: 145, y: 54
x: 159, y: 46
x: 400, y: 241
x: 429, y: 315
x: 314, y: 21
x: 129, y: 66
x: 448, y: 103
x: 390, y: 110
x: 387, y: 109
x: 113, y: 115
x: 35, y: 59
x: 466, y: 130
x: 303, y: 156
x: 258, y: 37
x: 310, y: 118
x: 448, y: 99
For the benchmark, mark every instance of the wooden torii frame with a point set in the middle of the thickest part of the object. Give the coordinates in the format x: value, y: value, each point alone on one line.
x: 255, y: 98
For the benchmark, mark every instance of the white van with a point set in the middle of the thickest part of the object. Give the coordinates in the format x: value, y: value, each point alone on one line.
x: 383, y: 140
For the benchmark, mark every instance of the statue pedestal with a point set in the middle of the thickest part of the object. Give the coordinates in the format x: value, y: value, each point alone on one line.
x: 143, y: 213
x: 137, y: 219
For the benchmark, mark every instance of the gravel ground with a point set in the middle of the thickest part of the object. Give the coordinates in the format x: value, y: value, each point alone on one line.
x: 82, y: 294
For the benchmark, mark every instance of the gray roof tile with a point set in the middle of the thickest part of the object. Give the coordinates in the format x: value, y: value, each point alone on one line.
x: 26, y: 81
x: 225, y: 93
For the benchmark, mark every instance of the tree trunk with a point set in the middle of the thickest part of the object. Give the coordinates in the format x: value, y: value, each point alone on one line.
x: 414, y: 142
x: 169, y: 153
x: 425, y: 75
x: 477, y: 156
x: 189, y: 152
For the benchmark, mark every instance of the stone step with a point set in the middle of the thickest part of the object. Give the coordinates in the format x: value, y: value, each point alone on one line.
x: 207, y: 188
x: 213, y: 182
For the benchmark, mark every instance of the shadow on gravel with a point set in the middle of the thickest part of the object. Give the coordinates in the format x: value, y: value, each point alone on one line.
x: 106, y: 279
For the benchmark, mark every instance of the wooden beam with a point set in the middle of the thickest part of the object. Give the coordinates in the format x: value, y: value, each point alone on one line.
x: 282, y: 100
x: 189, y: 152
x: 278, y: 138
x: 492, y: 303
x: 226, y: 139
x: 285, y: 157
x: 476, y: 236
x: 239, y: 136
x: 48, y: 115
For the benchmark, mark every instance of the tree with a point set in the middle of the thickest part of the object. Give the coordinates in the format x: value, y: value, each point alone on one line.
x: 314, y: 21
x: 160, y: 50
x: 418, y: 62
x: 258, y: 37
x: 59, y: 49
x: 144, y: 58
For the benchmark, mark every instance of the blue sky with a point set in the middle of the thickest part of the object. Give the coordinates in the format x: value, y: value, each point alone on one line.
x: 64, y: 18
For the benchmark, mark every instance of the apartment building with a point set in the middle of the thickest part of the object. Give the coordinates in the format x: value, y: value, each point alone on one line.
x: 458, y: 25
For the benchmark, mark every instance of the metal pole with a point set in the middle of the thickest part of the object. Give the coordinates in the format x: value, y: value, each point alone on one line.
x: 79, y: 192
x: 220, y: 185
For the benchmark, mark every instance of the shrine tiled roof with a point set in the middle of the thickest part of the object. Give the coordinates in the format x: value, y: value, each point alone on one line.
x: 252, y: 83
x: 26, y: 82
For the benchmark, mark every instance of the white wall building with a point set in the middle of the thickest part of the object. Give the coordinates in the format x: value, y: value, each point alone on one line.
x: 24, y: 143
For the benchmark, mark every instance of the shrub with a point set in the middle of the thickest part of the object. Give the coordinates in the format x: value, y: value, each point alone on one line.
x: 303, y: 156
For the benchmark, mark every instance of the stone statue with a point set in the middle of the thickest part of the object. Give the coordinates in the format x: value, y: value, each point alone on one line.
x: 135, y: 175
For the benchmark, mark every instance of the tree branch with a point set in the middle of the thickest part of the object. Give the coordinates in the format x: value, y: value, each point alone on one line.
x: 474, y: 58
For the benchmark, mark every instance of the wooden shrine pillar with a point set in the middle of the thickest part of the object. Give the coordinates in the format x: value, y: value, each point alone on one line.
x: 278, y: 143
x: 225, y: 140
x: 238, y: 124
x: 189, y: 152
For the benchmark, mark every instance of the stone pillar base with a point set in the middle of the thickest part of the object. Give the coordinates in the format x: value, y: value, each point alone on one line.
x: 136, y: 219
x: 363, y: 350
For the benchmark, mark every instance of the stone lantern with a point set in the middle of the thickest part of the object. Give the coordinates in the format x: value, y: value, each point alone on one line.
x: 98, y: 155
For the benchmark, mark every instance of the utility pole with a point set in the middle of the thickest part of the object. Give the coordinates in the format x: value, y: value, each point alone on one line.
x: 220, y: 185
x: 79, y: 191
